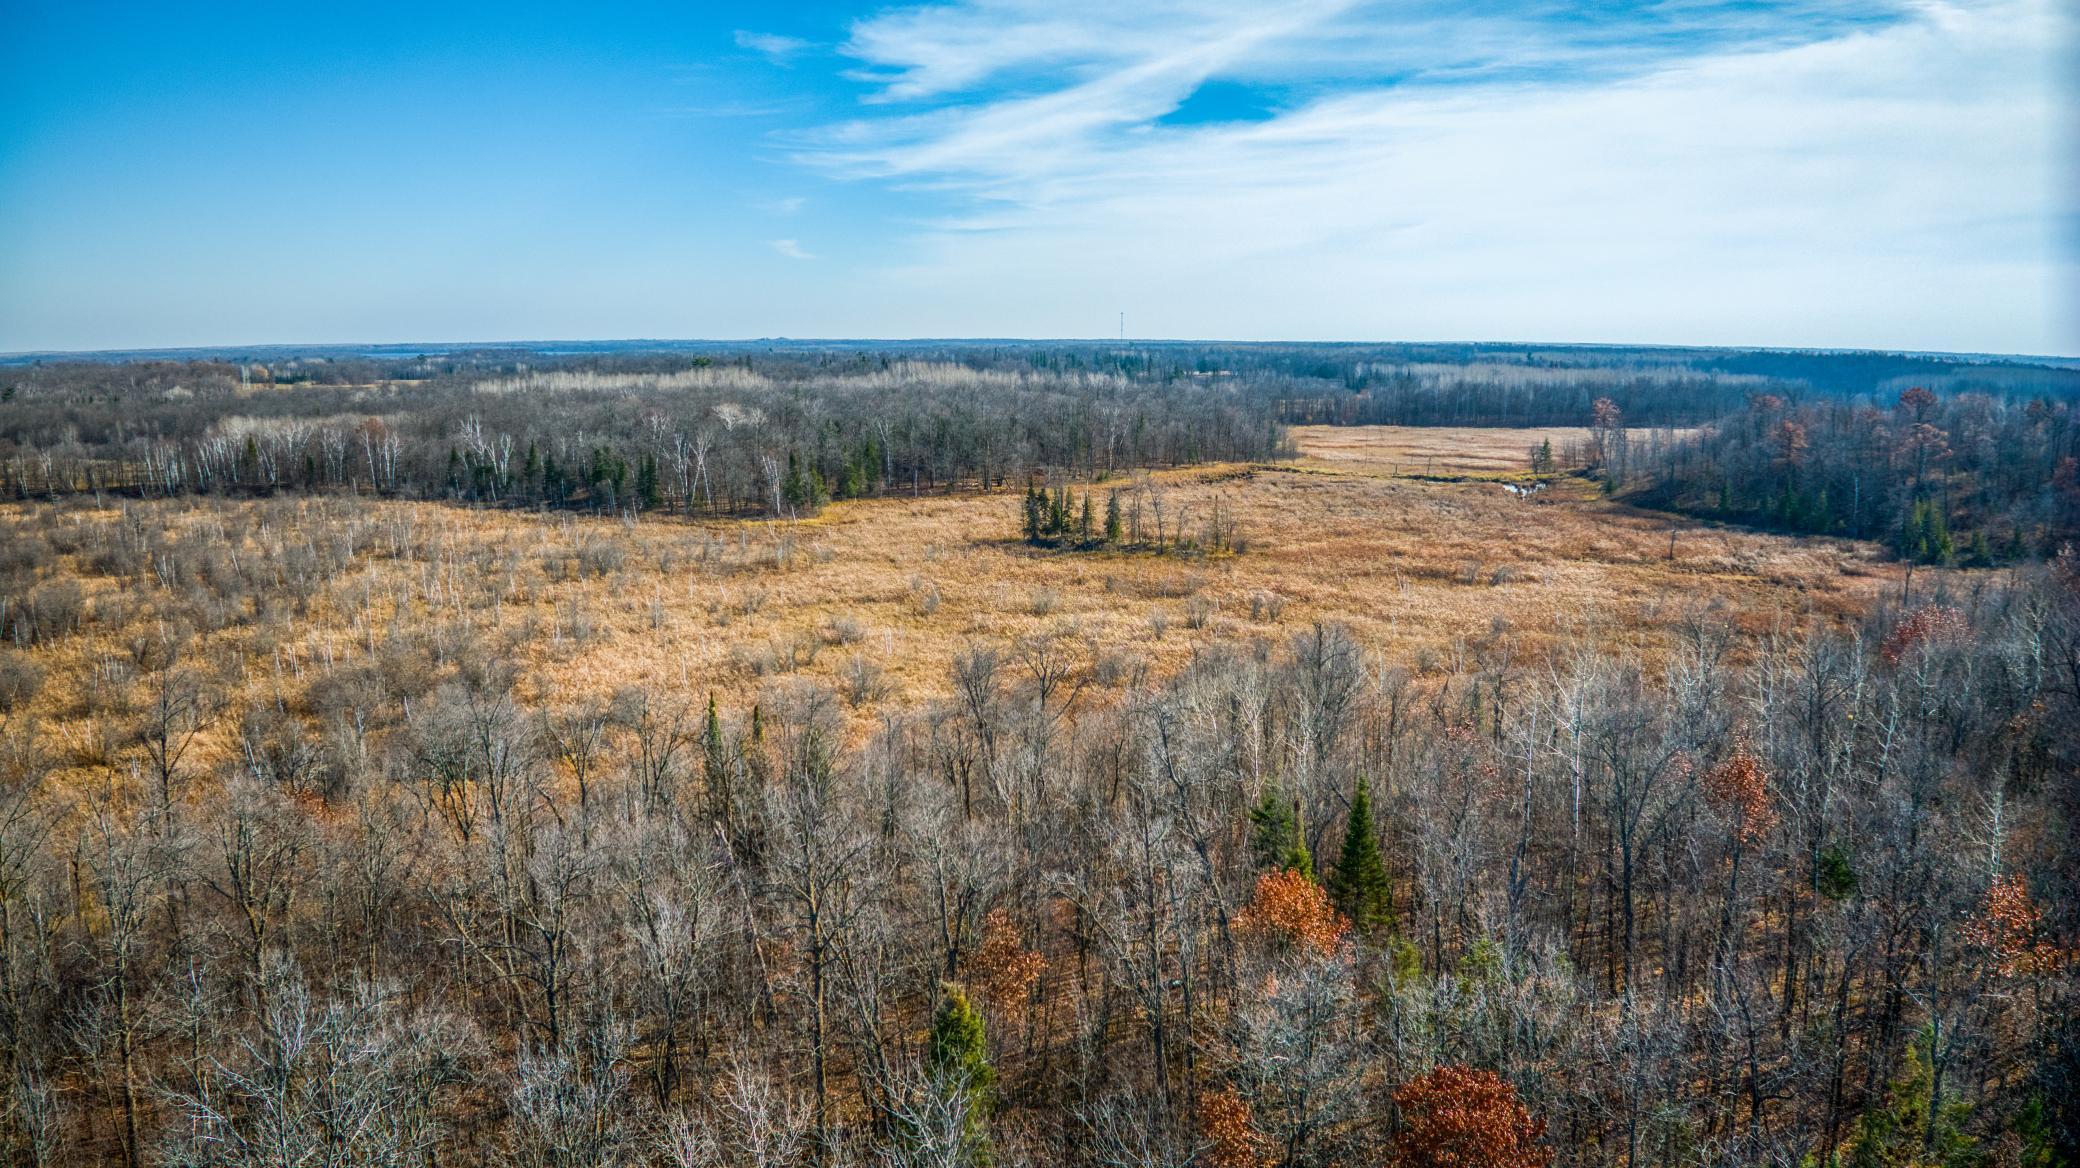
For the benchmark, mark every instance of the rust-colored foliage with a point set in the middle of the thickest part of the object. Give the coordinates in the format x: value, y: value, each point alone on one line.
x: 1290, y: 905
x: 1002, y: 970
x: 2008, y: 925
x: 1229, y: 1133
x: 1932, y: 625
x: 1461, y: 1117
x: 1789, y: 439
x: 1926, y: 443
x: 1740, y: 787
x: 1917, y: 400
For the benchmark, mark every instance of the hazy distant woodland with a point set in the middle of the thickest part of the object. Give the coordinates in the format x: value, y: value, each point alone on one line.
x: 961, y: 754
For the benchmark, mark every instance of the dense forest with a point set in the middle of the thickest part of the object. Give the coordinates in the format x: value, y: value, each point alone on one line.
x: 718, y: 438
x: 773, y: 429
x: 1968, y: 478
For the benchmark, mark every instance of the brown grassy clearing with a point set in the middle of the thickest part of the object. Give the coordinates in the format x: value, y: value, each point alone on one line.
x: 1426, y: 574
x: 1396, y: 451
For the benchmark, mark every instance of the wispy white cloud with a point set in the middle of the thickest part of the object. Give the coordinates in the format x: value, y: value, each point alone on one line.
x: 778, y: 48
x: 789, y: 205
x: 792, y: 249
x: 734, y: 109
x: 1842, y: 174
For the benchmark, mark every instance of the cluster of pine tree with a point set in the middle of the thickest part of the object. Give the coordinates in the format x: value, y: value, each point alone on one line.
x: 601, y: 480
x: 1357, y: 883
x: 1961, y: 479
x: 804, y: 488
x: 1057, y: 519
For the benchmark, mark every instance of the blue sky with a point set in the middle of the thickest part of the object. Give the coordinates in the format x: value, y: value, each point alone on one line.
x: 1849, y: 172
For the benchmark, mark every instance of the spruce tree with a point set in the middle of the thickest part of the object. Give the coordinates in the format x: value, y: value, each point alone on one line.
x: 647, y: 496
x: 957, y: 1055
x: 552, y: 480
x: 1033, y: 514
x: 756, y: 765
x: 803, y: 487
x: 1274, y: 829
x: 1083, y: 525
x: 715, y: 766
x: 1981, y: 553
x: 1925, y: 537
x: 1298, y: 858
x: 1358, y: 883
x: 1834, y: 875
x: 1908, y: 1129
x: 1113, y: 530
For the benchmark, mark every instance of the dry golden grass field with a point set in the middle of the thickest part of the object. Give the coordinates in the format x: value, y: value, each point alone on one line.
x: 875, y: 598
x: 1438, y: 450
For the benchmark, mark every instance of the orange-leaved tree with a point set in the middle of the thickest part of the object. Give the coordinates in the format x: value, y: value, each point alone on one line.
x: 1463, y: 1117
x: 1003, y: 969
x: 1228, y: 1133
x: 1740, y: 787
x: 1931, y: 625
x: 2009, y: 925
x: 1291, y: 907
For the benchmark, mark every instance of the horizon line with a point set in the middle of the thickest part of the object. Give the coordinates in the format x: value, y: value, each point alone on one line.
x: 427, y: 348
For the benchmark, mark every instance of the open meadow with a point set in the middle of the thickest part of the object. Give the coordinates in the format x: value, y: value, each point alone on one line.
x: 1447, y: 451
x: 874, y: 599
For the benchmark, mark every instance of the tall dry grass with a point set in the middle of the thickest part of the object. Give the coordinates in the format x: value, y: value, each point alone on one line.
x: 874, y: 599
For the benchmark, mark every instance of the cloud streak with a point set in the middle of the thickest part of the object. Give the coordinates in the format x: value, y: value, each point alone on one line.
x: 772, y: 45
x: 1849, y: 174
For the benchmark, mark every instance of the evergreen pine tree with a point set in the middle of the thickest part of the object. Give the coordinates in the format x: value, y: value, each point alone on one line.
x: 853, y: 483
x: 1033, y: 514
x: 1907, y: 1130
x: 552, y: 480
x: 1925, y: 537
x: 646, y: 483
x: 803, y: 488
x: 756, y: 765
x: 1834, y: 875
x: 1358, y: 883
x: 531, y: 470
x: 1084, y: 525
x: 957, y: 1054
x: 715, y: 766
x: 1298, y: 858
x: 1274, y: 829
x: 1980, y: 554
x: 1113, y: 530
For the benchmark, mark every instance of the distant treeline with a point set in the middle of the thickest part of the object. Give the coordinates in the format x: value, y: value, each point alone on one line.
x: 1968, y: 479
x: 776, y: 435
x: 1479, y: 385
x: 1803, y: 441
